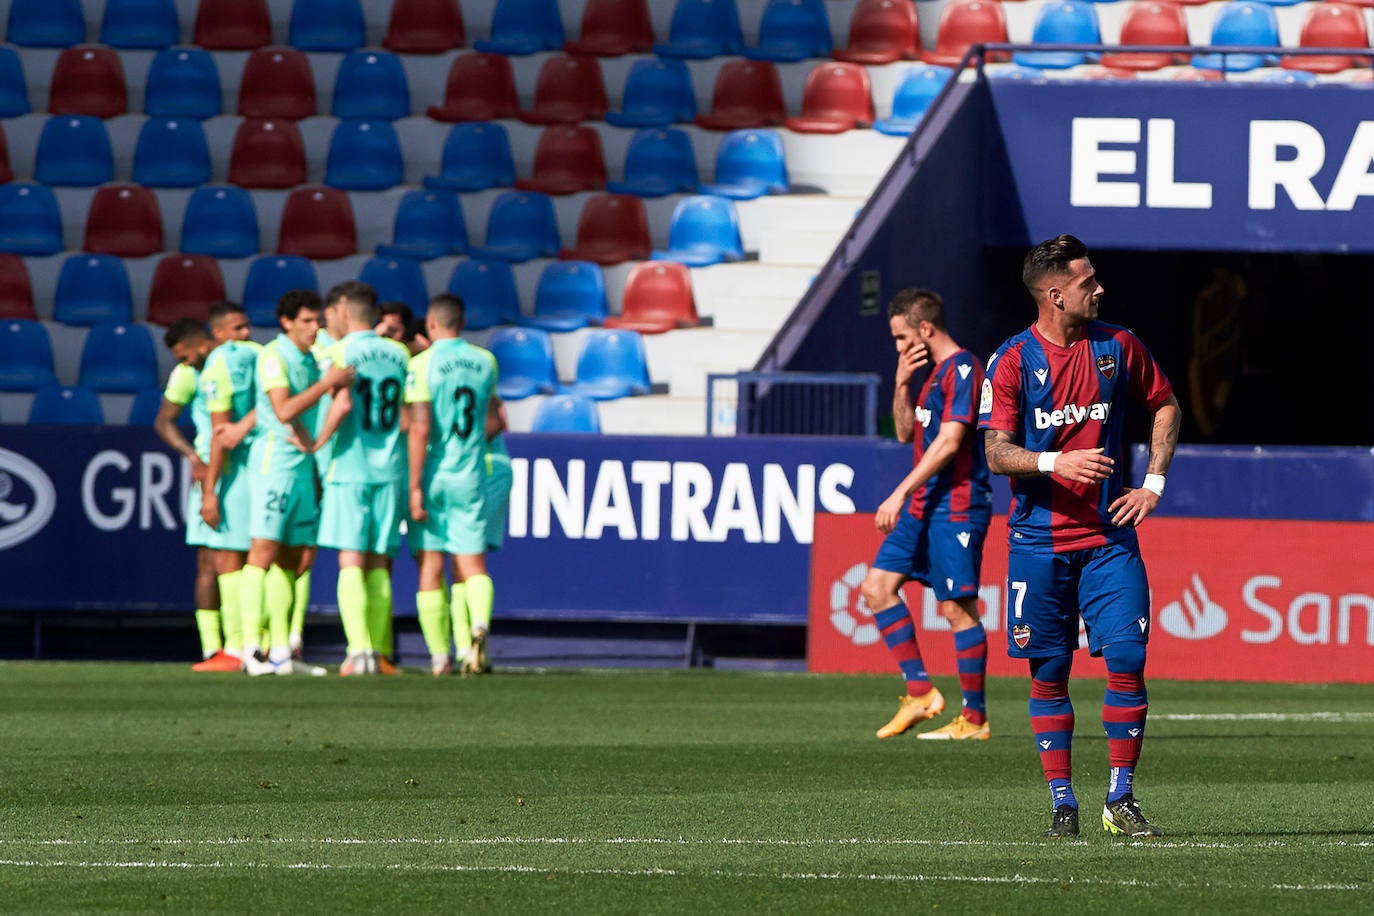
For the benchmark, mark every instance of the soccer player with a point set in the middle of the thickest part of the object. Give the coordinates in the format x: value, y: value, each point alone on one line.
x: 364, y: 485
x: 496, y: 508
x: 284, y: 504
x: 936, y: 518
x: 1054, y: 405
x: 447, y: 393
x: 397, y: 321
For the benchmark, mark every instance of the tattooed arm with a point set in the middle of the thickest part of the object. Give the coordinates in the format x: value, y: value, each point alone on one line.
x: 1085, y: 465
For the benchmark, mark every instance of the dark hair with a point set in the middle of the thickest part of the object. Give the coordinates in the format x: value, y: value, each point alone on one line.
x: 1051, y: 256
x: 292, y: 301
x: 353, y: 291
x: 183, y: 329
x: 223, y: 309
x: 917, y: 305
x: 396, y: 307
x: 448, y: 311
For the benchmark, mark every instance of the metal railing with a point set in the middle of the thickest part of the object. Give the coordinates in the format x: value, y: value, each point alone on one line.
x: 792, y: 404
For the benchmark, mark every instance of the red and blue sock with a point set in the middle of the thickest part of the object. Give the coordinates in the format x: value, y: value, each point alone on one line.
x: 899, y: 632
x: 1124, y: 708
x: 1051, y: 718
x: 971, y: 647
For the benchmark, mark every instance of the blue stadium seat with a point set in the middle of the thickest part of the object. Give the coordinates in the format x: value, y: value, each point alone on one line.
x: 14, y: 88
x: 118, y: 357
x: 429, y: 224
x: 268, y: 278
x: 326, y: 25
x: 476, y: 156
x: 570, y: 295
x: 1242, y: 23
x: 1063, y: 22
x: 63, y: 405
x: 792, y: 30
x: 659, y: 161
x: 46, y: 23
x: 220, y: 221
x: 1016, y: 72
x: 148, y: 24
x: 524, y: 362
x: 397, y: 279
x: 91, y: 289
x: 658, y: 92
x: 171, y: 153
x: 704, y: 231
x: 611, y: 365
x: 749, y: 164
x: 30, y: 221
x: 701, y: 29
x: 182, y: 83
x: 364, y: 156
x: 487, y: 289
x: 147, y: 404
x: 371, y: 85
x: 566, y: 413
x: 521, y: 226
x: 74, y: 150
x: 524, y: 27
x: 914, y: 94
x: 1290, y: 77
x: 25, y: 356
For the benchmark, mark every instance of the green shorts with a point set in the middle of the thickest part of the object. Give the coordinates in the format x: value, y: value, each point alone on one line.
x: 363, y: 516
x: 457, y: 522
x: 284, y: 507
x: 197, y: 532
x: 497, y: 499
x: 235, y: 510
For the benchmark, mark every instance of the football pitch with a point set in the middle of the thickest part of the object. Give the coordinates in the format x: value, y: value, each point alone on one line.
x: 134, y: 787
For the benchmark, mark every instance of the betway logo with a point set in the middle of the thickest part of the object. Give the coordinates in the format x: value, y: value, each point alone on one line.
x: 1071, y: 414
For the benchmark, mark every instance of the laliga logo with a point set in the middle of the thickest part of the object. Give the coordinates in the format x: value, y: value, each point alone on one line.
x: 21, y: 519
x: 1198, y: 617
x: 849, y: 613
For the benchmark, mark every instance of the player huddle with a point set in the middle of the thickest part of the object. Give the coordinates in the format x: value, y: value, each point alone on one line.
x: 334, y: 436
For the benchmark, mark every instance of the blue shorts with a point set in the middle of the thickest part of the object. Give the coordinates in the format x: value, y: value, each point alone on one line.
x: 944, y: 555
x: 1047, y: 593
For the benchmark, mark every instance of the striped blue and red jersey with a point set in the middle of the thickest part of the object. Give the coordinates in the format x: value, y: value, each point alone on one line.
x: 1056, y: 399
x: 959, y: 491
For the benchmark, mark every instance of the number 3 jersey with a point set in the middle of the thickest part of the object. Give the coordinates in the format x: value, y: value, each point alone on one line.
x: 368, y: 447
x: 457, y: 380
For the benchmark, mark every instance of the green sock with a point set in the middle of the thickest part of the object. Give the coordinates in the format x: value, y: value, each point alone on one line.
x: 281, y: 594
x: 301, y: 603
x: 231, y: 605
x: 378, y: 583
x: 207, y: 622
x: 481, y: 596
x: 458, y: 611
x: 252, y: 601
x: 353, y: 609
x: 432, y: 609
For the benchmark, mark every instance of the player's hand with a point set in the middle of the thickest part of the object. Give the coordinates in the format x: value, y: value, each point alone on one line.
x: 198, y: 469
x: 417, y: 505
x: 1084, y: 465
x: 209, y: 509
x: 888, y: 513
x: 339, y: 376
x: 231, y: 434
x: 1133, y: 507
x: 301, y: 441
x: 909, y: 360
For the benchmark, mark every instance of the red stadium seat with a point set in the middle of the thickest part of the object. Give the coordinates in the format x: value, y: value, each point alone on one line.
x: 1149, y: 22
x: 277, y: 83
x: 569, y: 90
x: 424, y: 27
x: 233, y: 25
x: 568, y: 159
x: 16, y: 291
x: 6, y: 173
x: 658, y: 297
x: 747, y: 93
x: 184, y: 286
x: 317, y: 222
x: 124, y: 220
x: 480, y: 87
x: 882, y: 32
x: 88, y: 80
x: 838, y: 97
x: 267, y: 153
x: 611, y: 28
x: 1196, y: 75
x: 964, y: 23
x: 1329, y: 25
x: 613, y: 228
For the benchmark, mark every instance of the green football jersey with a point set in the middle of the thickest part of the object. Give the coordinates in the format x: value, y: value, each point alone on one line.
x: 228, y: 384
x: 368, y: 447
x: 281, y: 365
x: 456, y: 379
x: 323, y: 341
x: 183, y: 389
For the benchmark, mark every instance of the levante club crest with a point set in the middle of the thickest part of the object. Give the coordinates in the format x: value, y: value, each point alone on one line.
x: 1021, y: 634
x: 1106, y: 364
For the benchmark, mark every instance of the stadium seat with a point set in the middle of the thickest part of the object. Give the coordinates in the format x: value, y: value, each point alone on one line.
x: 364, y: 156
x: 371, y: 85
x: 14, y: 88
x: 487, y: 289
x: 317, y: 222
x: 184, y: 286
x: 148, y: 403
x: 792, y: 30
x: 837, y: 97
x: 612, y: 228
x: 182, y: 83
x: 1329, y: 25
x: 659, y: 161
x: 521, y: 226
x: 45, y: 23
x: 220, y: 221
x: 267, y: 153
x: 569, y: 90
x: 171, y: 153
x: 429, y: 224
x: 1149, y: 22
x: 479, y: 87
x: 524, y: 27
x: 424, y: 27
x: 1062, y: 22
x: 658, y: 92
x: 658, y: 297
x: 88, y: 80
x: 268, y: 278
x: 124, y: 220
x: 1242, y: 23
x: 704, y: 231
x: 25, y: 356
x: 914, y: 94
x: 16, y: 289
x: 277, y: 83
x: 747, y: 93
x: 233, y: 25
x: 567, y: 159
x: 74, y: 150
x: 326, y: 25
x: 749, y: 164
x: 92, y: 289
x: 566, y: 413
x: 702, y: 29
x: 476, y: 156
x: 397, y: 280
x: 1289, y: 77
x: 964, y: 23
x: 570, y: 295
x: 30, y: 221
x: 118, y: 357
x: 66, y: 405
x: 524, y: 362
x: 611, y: 28
x: 6, y: 173
x: 611, y: 365
x: 881, y: 32
x: 146, y: 24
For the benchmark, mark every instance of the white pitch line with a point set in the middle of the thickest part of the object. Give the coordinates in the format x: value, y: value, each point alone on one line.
x: 1264, y: 716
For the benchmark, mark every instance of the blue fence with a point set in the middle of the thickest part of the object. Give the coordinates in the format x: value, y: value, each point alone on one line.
x: 792, y: 404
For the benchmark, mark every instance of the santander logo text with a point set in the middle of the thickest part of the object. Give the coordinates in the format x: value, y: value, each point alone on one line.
x: 1071, y: 414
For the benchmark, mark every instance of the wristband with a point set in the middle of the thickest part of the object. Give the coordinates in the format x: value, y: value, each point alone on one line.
x: 1154, y: 483
x: 1045, y: 463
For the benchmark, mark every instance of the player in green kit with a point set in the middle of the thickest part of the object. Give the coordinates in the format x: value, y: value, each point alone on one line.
x: 364, y: 486
x: 496, y: 508
x: 447, y: 392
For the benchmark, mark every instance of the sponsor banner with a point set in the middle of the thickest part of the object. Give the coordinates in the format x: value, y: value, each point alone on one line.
x: 1234, y: 600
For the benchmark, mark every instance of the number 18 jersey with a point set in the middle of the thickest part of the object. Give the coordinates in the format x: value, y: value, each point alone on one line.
x: 457, y: 379
x: 368, y: 447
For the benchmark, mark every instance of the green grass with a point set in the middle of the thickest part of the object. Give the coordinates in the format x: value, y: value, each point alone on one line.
x: 148, y: 788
